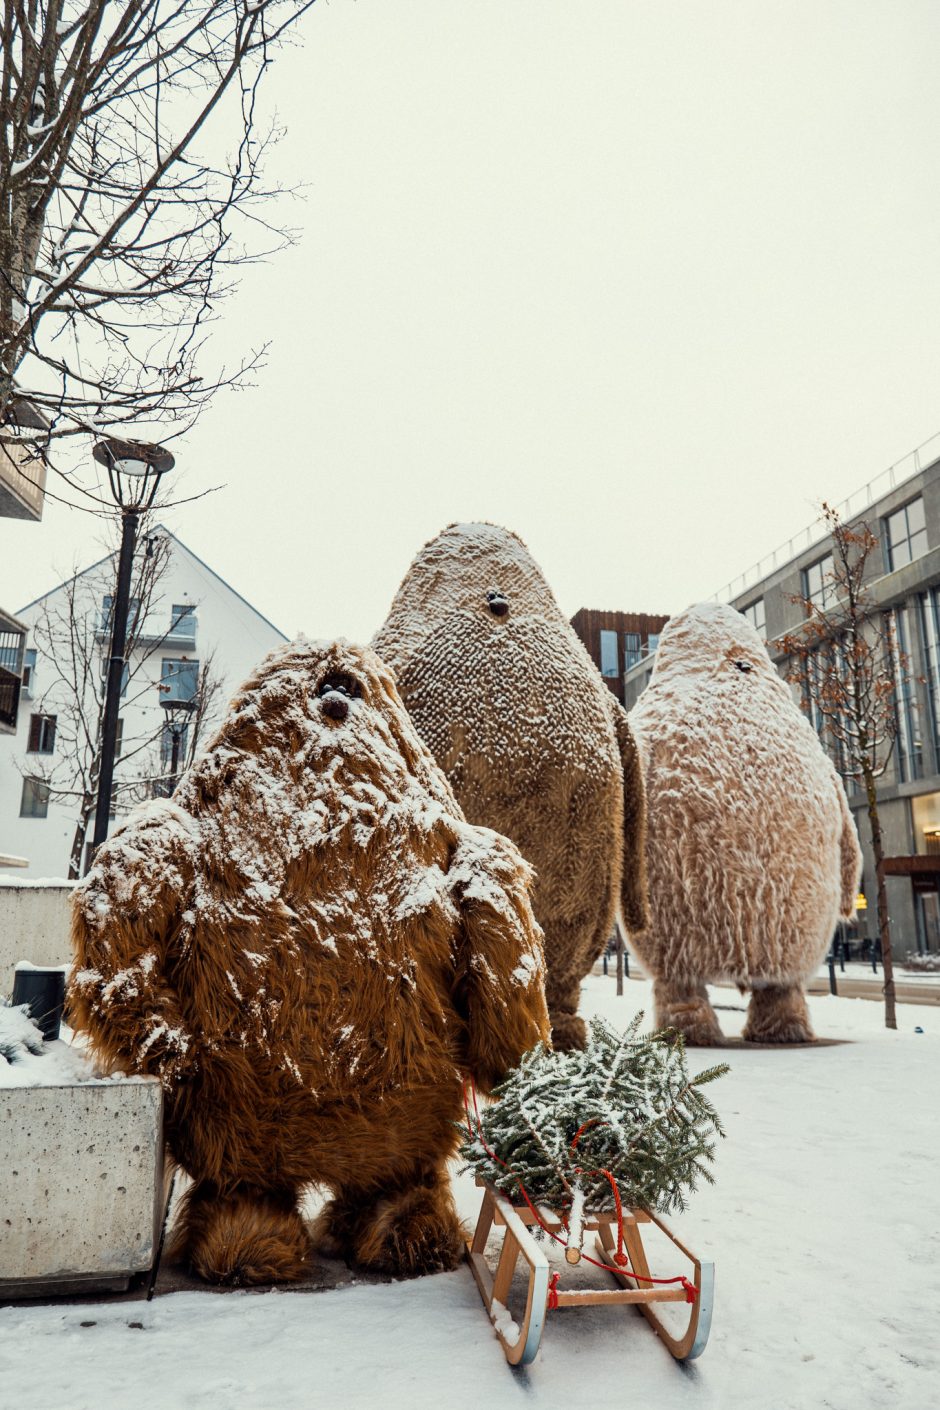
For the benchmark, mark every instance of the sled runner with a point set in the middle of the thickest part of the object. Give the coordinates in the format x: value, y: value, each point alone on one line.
x: 637, y: 1285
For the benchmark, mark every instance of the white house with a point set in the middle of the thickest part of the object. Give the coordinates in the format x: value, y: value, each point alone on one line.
x: 184, y: 616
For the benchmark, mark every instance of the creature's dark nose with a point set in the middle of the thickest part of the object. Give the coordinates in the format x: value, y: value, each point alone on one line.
x: 744, y: 666
x: 497, y: 604
x: 335, y: 705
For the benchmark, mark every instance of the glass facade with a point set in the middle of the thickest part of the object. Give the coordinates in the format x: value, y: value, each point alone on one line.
x: 905, y: 533
x: 928, y: 611
x: 909, y: 744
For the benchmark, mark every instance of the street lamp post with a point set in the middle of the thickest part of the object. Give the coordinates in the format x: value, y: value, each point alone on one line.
x: 135, y: 469
x: 178, y: 713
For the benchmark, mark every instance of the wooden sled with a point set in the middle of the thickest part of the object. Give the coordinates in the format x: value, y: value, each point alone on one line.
x: 521, y: 1343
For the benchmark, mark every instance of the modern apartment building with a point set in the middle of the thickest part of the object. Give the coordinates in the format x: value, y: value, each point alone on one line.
x: 191, y: 617
x: 902, y: 507
x: 617, y: 641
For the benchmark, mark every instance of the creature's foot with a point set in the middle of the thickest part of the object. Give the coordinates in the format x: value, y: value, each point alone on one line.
x: 686, y: 1008
x: 778, y: 1014
x: 333, y: 1232
x: 241, y: 1239
x: 410, y: 1232
x: 569, y: 1032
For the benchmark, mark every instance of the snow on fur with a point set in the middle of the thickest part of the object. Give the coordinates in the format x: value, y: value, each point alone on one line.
x: 309, y: 945
x: 531, y: 739
x: 751, y: 851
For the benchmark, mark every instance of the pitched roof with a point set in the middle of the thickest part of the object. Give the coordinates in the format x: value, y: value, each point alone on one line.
x: 160, y: 528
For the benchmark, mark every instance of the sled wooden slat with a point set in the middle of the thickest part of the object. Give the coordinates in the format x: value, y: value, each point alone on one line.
x: 520, y: 1344
x: 522, y: 1350
x: 695, y: 1338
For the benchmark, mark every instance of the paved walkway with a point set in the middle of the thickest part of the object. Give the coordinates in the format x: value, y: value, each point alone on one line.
x: 858, y: 981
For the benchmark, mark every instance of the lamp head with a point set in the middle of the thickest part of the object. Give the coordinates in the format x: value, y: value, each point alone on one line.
x: 134, y: 468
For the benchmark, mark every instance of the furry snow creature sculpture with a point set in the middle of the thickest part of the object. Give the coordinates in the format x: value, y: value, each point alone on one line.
x: 533, y: 742
x: 751, y: 851
x: 310, y: 946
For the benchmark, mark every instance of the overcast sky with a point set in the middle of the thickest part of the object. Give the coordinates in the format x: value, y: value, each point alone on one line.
x: 641, y: 281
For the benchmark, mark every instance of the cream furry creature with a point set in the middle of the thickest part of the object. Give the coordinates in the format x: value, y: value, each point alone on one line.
x: 751, y: 852
x: 533, y: 742
x: 311, y: 947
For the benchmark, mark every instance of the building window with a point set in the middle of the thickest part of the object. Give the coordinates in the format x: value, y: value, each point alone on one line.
x: 826, y: 680
x: 910, y: 762
x: 818, y: 586
x: 652, y: 643
x: 29, y: 671
x: 183, y: 620
x: 905, y: 534
x: 107, y: 610
x: 928, y: 607
x: 754, y: 613
x: 179, y: 680
x: 34, y: 802
x: 610, y: 662
x: 119, y: 737
x: 125, y: 675
x: 632, y: 649
x: 41, y: 734
x: 925, y: 812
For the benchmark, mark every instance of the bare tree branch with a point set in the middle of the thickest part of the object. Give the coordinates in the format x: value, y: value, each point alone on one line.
x: 855, y: 681
x: 121, y: 227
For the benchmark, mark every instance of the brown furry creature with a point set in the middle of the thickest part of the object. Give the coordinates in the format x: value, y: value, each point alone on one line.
x: 751, y: 850
x: 533, y: 742
x: 310, y: 946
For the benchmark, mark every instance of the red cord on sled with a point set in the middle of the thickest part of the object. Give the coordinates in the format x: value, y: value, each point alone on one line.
x: 620, y: 1257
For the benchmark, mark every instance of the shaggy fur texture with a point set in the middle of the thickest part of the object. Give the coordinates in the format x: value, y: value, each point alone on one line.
x: 751, y: 851
x: 533, y: 742
x: 311, y: 947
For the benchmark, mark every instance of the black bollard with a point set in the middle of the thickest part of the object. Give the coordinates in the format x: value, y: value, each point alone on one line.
x: 43, y: 990
x: 832, y: 972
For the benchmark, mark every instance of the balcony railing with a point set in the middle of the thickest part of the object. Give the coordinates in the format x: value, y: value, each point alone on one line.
x: 9, y: 699
x: 12, y: 640
x: 910, y: 464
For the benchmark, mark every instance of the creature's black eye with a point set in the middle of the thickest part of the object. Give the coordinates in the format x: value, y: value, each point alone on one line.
x: 743, y: 666
x: 497, y: 604
x: 340, y: 684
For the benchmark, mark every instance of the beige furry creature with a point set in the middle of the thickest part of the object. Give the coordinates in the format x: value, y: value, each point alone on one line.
x: 533, y: 742
x: 751, y: 851
x: 311, y: 947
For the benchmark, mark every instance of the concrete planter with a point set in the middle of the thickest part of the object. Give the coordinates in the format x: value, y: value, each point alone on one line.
x: 81, y: 1185
x: 34, y: 924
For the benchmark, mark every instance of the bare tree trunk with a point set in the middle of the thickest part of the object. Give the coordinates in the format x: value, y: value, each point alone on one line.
x: 81, y: 832
x: 619, y: 944
x: 884, y: 927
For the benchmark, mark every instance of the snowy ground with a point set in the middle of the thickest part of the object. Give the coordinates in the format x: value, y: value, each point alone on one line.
x: 823, y: 1226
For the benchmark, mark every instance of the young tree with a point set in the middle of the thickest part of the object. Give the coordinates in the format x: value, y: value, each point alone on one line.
x: 845, y: 658
x: 71, y: 636
x: 120, y: 227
